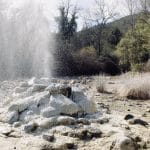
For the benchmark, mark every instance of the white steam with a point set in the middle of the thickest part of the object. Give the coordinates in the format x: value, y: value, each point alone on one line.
x: 25, y: 40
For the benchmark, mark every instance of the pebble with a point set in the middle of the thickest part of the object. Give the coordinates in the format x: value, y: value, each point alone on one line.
x: 138, y: 121
x: 128, y: 116
x: 31, y: 127
x: 48, y: 137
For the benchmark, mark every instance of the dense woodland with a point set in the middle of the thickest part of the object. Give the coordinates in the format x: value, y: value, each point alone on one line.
x: 104, y: 45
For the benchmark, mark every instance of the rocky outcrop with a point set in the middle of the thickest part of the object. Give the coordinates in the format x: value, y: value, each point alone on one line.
x: 38, y: 100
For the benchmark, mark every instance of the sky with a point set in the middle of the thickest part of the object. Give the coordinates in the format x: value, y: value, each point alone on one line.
x: 85, y: 6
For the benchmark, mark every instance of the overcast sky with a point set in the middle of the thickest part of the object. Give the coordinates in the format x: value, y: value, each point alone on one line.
x: 85, y: 6
x: 51, y: 7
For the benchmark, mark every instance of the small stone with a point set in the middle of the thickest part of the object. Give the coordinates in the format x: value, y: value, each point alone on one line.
x: 31, y: 127
x: 48, y: 137
x: 103, y: 120
x: 17, y: 124
x: 85, y: 134
x: 48, y: 123
x: 70, y: 145
x: 129, y: 116
x: 6, y: 131
x: 95, y: 132
x: 144, y: 115
x: 138, y: 139
x: 126, y: 143
x: 65, y: 120
x: 148, y: 110
x: 138, y: 121
x: 83, y: 121
x: 127, y: 127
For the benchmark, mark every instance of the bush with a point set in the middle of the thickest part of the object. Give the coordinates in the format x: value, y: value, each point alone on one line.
x: 136, y: 88
x: 134, y: 49
x: 86, y: 62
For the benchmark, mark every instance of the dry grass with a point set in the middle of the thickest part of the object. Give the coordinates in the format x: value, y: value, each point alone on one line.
x: 100, y: 83
x: 136, y: 87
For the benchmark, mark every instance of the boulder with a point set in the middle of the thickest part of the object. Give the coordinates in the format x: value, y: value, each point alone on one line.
x: 88, y: 106
x: 64, y: 105
x: 12, y: 117
x: 27, y: 116
x: 21, y: 104
x: 31, y: 102
x: 50, y: 112
x: 59, y: 89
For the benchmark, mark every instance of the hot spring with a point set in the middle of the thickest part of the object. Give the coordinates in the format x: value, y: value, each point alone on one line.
x: 25, y: 40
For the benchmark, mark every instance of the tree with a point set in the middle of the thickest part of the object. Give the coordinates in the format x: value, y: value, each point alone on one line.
x: 145, y: 10
x: 132, y: 8
x: 134, y: 49
x: 100, y: 17
x: 67, y: 26
x: 115, y: 36
x: 145, y: 6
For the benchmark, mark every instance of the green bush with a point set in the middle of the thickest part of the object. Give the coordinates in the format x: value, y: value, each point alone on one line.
x: 134, y: 49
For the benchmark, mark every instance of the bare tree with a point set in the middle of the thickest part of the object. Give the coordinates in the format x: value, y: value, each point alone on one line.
x: 101, y: 15
x: 145, y: 6
x: 132, y: 8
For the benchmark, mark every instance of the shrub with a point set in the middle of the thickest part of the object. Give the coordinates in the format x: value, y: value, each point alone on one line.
x: 136, y: 88
x: 134, y: 49
x: 86, y: 61
x: 100, y: 84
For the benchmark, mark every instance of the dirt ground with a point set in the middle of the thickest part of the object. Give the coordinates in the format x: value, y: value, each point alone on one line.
x: 113, y: 107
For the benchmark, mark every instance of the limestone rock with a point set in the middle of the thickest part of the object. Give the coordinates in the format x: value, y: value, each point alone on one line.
x: 21, y: 104
x: 12, y: 117
x: 82, y: 100
x: 59, y: 89
x: 64, y: 105
x: 49, y: 112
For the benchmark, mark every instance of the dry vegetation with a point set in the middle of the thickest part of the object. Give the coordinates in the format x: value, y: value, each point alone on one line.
x: 136, y: 87
x: 100, y: 83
